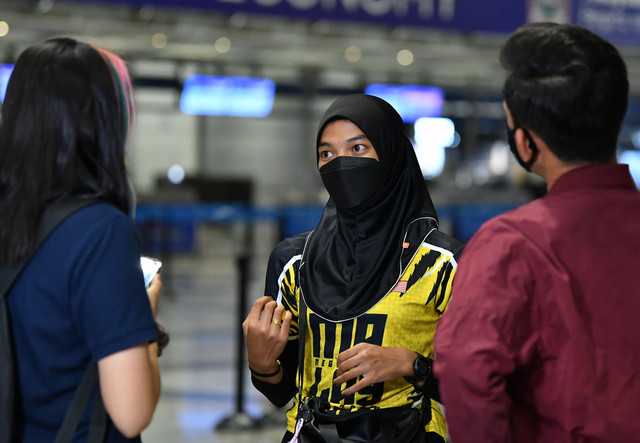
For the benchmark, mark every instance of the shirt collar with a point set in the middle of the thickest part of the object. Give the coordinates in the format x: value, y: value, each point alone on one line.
x: 608, y: 175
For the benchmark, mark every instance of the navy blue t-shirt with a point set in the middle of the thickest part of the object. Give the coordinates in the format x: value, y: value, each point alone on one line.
x: 81, y: 296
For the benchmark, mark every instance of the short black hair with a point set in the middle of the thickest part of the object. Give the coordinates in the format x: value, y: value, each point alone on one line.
x: 568, y: 85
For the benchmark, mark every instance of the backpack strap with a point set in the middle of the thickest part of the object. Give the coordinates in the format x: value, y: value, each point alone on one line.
x: 54, y: 214
x: 99, y: 419
x: 78, y: 404
x: 7, y: 404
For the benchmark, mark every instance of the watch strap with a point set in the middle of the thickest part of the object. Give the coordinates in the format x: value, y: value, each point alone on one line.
x: 422, y: 367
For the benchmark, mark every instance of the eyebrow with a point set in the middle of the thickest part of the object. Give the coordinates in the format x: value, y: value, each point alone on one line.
x: 357, y: 137
x: 349, y: 140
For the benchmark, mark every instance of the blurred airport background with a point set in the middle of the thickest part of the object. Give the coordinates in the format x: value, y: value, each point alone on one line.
x: 229, y: 93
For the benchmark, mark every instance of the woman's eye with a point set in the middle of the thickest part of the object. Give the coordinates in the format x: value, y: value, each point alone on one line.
x: 325, y: 154
x: 359, y: 148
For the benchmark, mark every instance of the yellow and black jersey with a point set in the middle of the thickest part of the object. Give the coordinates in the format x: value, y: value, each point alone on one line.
x: 406, y: 317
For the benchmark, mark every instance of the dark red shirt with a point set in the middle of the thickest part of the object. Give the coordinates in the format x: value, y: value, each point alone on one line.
x: 541, y: 340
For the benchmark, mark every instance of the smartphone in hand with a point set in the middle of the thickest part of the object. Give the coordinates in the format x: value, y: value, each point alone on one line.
x: 150, y: 267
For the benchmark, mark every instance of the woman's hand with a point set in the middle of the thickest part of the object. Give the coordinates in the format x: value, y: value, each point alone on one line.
x: 153, y: 291
x: 266, y: 334
x: 374, y: 363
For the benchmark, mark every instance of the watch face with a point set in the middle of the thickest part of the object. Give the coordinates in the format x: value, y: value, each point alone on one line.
x: 421, y: 367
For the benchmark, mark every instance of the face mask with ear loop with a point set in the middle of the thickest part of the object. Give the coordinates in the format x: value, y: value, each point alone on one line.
x: 514, y: 149
x: 352, y: 181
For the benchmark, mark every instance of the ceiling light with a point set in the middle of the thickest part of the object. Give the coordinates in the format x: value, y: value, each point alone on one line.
x: 353, y: 54
x: 404, y: 57
x: 238, y: 20
x: 222, y: 45
x: 147, y: 13
x: 176, y: 174
x: 45, y: 6
x: 4, y: 28
x: 159, y: 40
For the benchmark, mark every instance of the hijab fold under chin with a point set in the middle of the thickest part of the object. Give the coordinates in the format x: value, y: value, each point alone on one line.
x: 353, y: 258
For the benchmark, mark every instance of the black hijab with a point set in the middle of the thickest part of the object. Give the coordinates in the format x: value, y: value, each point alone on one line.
x: 355, y: 257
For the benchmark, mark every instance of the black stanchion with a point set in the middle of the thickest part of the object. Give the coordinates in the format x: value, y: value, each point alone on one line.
x: 240, y: 420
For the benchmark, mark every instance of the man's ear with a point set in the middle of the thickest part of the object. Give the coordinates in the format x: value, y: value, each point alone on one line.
x: 522, y: 144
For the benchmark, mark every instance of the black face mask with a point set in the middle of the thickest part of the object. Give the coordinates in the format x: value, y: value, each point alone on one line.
x: 352, y: 181
x: 514, y: 150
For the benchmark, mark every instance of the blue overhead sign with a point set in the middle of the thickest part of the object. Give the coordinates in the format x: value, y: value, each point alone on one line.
x: 232, y: 96
x: 411, y: 101
x: 461, y: 15
x: 615, y: 20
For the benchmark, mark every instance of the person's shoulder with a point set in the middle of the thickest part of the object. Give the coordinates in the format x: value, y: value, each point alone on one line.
x: 290, y: 246
x: 287, y: 253
x: 446, y: 242
x: 514, y: 220
x: 520, y: 228
x: 427, y: 231
x: 99, y: 213
x: 95, y: 223
x: 284, y: 257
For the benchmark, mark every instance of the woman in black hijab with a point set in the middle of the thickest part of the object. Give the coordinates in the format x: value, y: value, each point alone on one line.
x: 373, y: 279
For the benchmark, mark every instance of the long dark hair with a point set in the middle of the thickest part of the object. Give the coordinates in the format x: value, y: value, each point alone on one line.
x: 65, y: 117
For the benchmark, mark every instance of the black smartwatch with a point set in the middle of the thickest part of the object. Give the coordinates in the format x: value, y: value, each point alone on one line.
x: 421, y: 370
